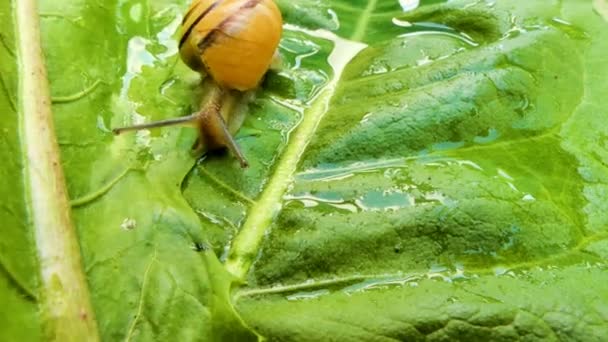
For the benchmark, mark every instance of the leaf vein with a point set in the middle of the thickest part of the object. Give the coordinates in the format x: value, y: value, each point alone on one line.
x: 140, y: 305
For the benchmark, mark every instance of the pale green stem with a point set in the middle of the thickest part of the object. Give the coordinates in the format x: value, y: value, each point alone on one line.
x: 65, y: 305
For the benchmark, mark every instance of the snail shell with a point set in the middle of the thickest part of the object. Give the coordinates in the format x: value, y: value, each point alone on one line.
x: 233, y: 41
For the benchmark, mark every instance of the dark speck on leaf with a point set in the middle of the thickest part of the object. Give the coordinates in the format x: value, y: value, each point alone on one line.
x: 199, y: 247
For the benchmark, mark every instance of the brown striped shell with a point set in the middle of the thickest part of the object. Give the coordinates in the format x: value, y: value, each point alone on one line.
x: 234, y: 41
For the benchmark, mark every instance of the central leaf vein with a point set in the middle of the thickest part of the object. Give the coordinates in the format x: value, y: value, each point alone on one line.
x: 364, y: 20
x: 246, y: 244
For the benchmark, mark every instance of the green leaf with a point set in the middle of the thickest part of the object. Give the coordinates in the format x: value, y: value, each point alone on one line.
x: 146, y: 261
x: 437, y: 173
x: 18, y: 277
x: 455, y: 187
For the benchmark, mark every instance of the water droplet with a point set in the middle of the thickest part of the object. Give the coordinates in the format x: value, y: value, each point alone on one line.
x: 492, y: 136
x: 500, y: 270
x: 435, y: 196
x: 504, y: 174
x: 569, y: 29
x: 135, y: 12
x: 409, y: 5
x: 328, y: 198
x: 307, y: 295
x: 512, y: 186
x: 424, y: 28
x: 334, y: 19
x: 299, y: 49
x: 424, y: 61
x: 101, y: 125
x: 387, y: 200
x: 366, y: 117
x: 528, y: 198
x: 561, y: 21
x: 381, y: 283
x: 401, y: 23
x: 309, y: 203
x: 471, y: 164
x: 137, y: 57
x: 167, y: 85
x: 166, y: 39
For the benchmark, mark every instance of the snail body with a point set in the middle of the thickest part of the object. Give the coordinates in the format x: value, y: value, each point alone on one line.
x: 233, y: 42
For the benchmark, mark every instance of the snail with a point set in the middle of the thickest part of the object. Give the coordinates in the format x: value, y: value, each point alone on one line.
x: 234, y: 43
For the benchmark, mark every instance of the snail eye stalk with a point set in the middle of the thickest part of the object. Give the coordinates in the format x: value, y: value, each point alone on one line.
x: 162, y: 123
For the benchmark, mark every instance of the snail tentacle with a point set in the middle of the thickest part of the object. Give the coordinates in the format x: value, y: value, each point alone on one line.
x: 156, y: 124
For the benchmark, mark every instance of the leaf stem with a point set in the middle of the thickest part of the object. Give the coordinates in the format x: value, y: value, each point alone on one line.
x: 66, y: 306
x: 246, y: 244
